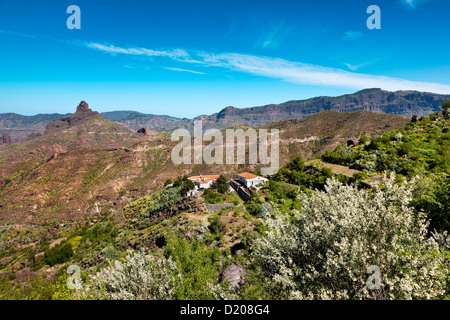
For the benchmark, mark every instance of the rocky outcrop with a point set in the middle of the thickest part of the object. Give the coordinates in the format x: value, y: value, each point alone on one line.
x: 83, y: 106
x: 144, y: 132
x: 415, y: 118
x: 6, y: 139
x: 25, y: 275
x: 234, y: 274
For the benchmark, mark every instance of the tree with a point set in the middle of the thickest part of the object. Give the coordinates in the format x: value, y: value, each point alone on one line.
x: 58, y: 254
x: 184, y: 183
x: 363, y: 140
x: 404, y: 149
x: 215, y: 225
x: 446, y: 109
x: 297, y: 164
x: 221, y: 184
x: 435, y: 202
x: 325, y: 250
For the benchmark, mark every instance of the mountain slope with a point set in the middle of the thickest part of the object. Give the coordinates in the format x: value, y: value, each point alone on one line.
x: 325, y: 130
x: 85, y: 165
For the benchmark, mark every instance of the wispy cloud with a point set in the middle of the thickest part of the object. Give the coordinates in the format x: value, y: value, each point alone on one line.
x: 412, y: 4
x: 173, y: 53
x: 294, y: 72
x: 183, y: 70
x: 276, y: 33
x: 20, y: 34
x: 302, y: 73
x: 355, y: 67
x: 352, y: 35
x: 276, y: 68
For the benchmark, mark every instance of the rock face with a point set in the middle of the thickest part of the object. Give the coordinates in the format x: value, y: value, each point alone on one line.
x: 144, y: 131
x: 25, y: 275
x: 5, y: 139
x: 234, y: 274
x: 83, y: 106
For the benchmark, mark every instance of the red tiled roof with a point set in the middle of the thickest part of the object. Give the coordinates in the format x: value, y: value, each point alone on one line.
x: 247, y: 175
x: 203, y: 179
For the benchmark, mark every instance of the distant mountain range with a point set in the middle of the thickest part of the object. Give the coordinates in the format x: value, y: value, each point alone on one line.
x: 406, y: 103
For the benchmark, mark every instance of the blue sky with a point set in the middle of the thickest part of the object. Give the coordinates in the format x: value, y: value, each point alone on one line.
x: 186, y: 58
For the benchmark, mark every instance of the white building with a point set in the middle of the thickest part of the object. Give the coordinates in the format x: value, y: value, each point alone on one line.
x: 251, y: 180
x: 203, y: 182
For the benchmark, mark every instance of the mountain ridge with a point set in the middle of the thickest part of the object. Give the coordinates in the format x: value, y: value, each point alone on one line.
x: 404, y: 102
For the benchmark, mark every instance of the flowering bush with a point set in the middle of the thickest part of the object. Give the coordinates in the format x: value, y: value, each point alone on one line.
x: 139, y: 277
x: 324, y: 251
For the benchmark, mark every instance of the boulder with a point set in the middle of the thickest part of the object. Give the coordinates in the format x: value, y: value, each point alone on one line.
x: 25, y: 275
x: 415, y: 118
x: 234, y: 274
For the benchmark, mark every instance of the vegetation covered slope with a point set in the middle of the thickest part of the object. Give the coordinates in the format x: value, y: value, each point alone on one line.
x: 419, y: 148
x: 309, y: 234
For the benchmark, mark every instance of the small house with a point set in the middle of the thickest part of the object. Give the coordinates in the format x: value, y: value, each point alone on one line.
x: 251, y: 180
x: 203, y: 182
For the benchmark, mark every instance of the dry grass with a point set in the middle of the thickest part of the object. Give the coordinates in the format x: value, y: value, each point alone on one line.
x: 337, y: 169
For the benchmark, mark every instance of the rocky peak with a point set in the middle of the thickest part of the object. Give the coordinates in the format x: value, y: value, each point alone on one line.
x: 5, y: 139
x: 83, y: 106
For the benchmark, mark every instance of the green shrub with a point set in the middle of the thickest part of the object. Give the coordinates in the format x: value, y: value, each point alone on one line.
x: 211, y: 197
x: 221, y: 184
x: 58, y: 254
x: 215, y: 225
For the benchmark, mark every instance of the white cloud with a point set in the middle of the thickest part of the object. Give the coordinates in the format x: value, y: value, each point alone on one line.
x: 351, y: 67
x: 20, y: 34
x: 355, y: 67
x: 294, y: 72
x: 302, y: 73
x: 183, y: 70
x: 174, y: 53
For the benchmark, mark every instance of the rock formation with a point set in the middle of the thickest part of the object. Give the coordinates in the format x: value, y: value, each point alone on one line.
x: 234, y: 274
x: 83, y: 106
x: 5, y: 139
x: 144, y: 131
